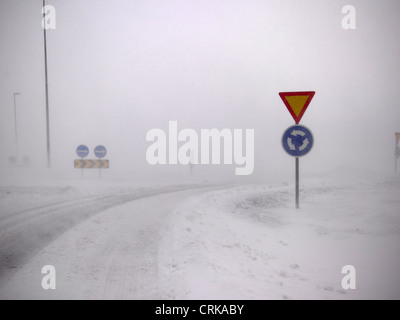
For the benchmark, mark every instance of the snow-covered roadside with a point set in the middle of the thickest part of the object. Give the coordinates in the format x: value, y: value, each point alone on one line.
x: 250, y: 243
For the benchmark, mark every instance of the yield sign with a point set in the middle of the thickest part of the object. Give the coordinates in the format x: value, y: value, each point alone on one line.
x: 297, y: 102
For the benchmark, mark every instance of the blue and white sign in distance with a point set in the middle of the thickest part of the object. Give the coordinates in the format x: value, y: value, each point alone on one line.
x: 100, y: 152
x: 297, y: 141
x: 82, y: 151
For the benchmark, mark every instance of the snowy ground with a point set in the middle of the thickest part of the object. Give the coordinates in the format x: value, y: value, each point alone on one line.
x: 118, y: 240
x: 250, y: 243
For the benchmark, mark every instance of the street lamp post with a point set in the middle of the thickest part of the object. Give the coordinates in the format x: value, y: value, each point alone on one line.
x: 15, y: 126
x: 47, y: 89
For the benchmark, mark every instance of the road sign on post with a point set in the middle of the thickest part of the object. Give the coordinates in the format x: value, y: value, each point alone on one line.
x: 297, y: 102
x: 297, y: 140
x: 100, y: 152
x: 91, y: 164
x: 82, y: 151
x: 13, y: 160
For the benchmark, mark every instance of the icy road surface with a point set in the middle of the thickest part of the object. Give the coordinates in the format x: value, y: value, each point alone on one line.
x: 197, y: 242
x: 32, y: 217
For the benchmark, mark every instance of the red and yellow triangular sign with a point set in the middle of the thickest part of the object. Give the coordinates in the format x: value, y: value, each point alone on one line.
x: 397, y: 137
x: 297, y: 102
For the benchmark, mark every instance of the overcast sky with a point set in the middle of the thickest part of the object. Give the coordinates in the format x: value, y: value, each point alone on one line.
x: 120, y: 68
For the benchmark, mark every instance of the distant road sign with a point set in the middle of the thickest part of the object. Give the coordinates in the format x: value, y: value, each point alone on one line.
x: 12, y: 160
x: 100, y: 152
x: 26, y: 160
x: 297, y: 141
x: 91, y: 164
x: 82, y: 151
x: 297, y: 102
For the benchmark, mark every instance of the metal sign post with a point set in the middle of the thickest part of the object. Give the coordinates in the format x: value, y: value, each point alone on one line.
x: 100, y: 152
x: 396, y: 151
x: 82, y: 151
x: 297, y: 141
x: 297, y: 184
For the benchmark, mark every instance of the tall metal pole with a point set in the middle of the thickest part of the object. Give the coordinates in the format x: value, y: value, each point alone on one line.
x: 15, y: 126
x: 297, y: 183
x: 395, y: 153
x: 47, y: 88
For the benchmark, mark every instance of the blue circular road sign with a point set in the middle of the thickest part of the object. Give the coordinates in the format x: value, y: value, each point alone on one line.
x: 297, y: 141
x: 82, y: 151
x: 13, y: 160
x: 100, y: 152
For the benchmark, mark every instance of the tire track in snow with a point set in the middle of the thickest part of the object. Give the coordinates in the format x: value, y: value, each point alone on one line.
x: 131, y: 270
x: 13, y: 217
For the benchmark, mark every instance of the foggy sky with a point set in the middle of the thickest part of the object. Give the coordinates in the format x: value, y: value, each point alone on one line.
x: 118, y: 69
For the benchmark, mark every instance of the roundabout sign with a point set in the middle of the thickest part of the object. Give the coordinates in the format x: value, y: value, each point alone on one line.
x: 297, y: 141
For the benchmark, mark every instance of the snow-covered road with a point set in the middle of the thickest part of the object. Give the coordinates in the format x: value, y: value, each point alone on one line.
x: 32, y: 218
x: 193, y: 241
